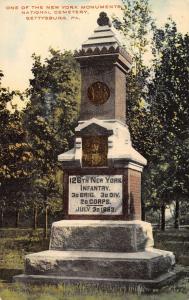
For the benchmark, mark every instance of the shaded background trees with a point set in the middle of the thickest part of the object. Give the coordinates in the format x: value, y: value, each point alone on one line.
x: 31, y: 139
x: 50, y: 118
x: 170, y: 103
x: 15, y: 156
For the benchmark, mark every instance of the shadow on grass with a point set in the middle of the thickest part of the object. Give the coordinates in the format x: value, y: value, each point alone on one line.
x: 6, y: 275
x: 26, y: 244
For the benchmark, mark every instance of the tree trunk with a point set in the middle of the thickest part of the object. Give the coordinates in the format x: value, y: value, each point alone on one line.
x: 2, y: 217
x: 17, y: 218
x: 159, y: 224
x: 143, y: 210
x: 35, y: 216
x: 163, y: 217
x: 46, y: 222
x: 177, y: 214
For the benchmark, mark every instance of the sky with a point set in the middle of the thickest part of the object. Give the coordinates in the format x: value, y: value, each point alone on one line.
x: 21, y: 37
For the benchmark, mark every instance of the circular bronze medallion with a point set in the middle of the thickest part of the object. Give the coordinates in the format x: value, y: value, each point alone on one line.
x: 98, y: 93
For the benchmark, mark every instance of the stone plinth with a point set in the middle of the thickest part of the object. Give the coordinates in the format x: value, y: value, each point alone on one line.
x: 106, y: 251
x: 105, y: 236
x: 109, y: 284
x: 140, y: 265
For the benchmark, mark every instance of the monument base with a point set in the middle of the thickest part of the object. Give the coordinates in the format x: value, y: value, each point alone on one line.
x: 104, y: 283
x: 101, y: 252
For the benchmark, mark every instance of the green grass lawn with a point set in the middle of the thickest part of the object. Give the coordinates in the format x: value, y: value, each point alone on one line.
x: 12, y: 252
x: 178, y: 291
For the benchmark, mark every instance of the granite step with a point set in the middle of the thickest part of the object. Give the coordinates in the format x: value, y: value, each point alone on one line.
x: 101, y: 235
x: 107, y: 284
x: 147, y: 264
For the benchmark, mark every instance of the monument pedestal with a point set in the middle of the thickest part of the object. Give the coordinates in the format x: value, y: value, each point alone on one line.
x: 101, y: 252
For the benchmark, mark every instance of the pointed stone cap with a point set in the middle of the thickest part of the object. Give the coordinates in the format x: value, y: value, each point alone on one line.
x: 103, y: 41
x: 103, y: 36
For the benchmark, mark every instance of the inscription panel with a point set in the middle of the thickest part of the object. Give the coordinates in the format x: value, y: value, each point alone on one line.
x: 95, y: 195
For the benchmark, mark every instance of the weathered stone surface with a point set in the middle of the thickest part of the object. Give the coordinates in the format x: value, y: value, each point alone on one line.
x: 101, y: 235
x: 141, y: 265
x: 93, y: 282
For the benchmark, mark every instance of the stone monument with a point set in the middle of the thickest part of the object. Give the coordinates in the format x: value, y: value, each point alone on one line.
x: 102, y: 238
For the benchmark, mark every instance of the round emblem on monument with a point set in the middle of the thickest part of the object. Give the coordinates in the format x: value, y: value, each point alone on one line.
x: 98, y: 93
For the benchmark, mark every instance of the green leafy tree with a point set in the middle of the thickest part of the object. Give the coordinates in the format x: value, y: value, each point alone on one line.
x: 53, y: 106
x: 156, y: 117
x: 51, y: 114
x: 135, y: 27
x: 169, y: 103
x: 15, y: 155
x: 47, y: 189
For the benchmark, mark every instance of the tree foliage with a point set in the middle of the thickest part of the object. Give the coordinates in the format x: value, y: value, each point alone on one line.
x: 169, y: 103
x: 157, y: 102
x: 52, y: 109
x: 135, y: 27
x: 15, y: 153
x: 50, y: 118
